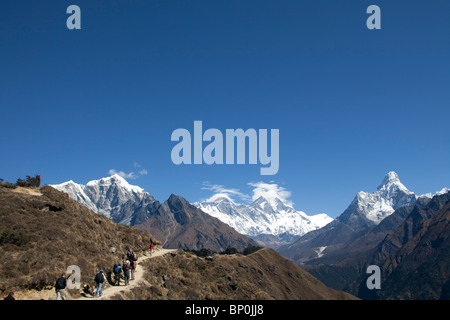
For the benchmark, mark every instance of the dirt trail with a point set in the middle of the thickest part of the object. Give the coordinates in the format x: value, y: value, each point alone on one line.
x: 109, y: 291
x: 30, y: 191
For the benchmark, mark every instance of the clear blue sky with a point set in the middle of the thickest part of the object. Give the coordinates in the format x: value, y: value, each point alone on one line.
x: 351, y: 104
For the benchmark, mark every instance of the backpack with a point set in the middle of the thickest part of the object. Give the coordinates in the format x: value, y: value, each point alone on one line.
x: 118, y: 269
x: 99, y: 278
x: 134, y: 256
x: 134, y: 264
x: 60, y: 283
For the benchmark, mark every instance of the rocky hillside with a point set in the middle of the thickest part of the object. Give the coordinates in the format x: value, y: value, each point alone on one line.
x: 419, y: 268
x: 43, y: 231
x: 411, y: 247
x: 366, y: 211
x: 179, y: 224
x: 263, y: 275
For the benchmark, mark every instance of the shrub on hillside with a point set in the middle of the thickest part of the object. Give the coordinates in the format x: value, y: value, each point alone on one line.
x: 15, y: 238
x: 251, y: 250
x: 7, y: 185
x: 28, y: 182
x: 207, y: 252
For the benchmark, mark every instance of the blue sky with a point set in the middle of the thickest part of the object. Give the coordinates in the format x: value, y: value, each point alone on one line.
x: 351, y: 104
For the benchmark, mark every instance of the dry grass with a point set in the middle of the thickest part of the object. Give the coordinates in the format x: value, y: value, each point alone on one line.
x: 264, y: 275
x: 43, y: 231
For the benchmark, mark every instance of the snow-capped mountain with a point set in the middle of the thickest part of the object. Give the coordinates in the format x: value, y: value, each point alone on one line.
x: 370, y: 208
x: 366, y: 211
x: 263, y: 217
x: 112, y: 197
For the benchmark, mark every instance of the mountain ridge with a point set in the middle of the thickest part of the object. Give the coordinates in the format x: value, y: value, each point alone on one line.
x: 112, y: 197
x: 367, y: 209
x: 413, y: 257
x: 180, y: 224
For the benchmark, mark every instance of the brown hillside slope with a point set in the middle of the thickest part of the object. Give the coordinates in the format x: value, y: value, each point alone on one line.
x: 180, y: 225
x: 41, y: 235
x: 263, y: 275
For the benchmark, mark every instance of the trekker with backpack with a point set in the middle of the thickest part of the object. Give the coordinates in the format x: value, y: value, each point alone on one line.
x: 133, y: 262
x: 131, y: 255
x: 151, y: 248
x: 133, y: 265
x: 99, y: 278
x: 126, y: 271
x: 60, y: 287
x: 117, y: 270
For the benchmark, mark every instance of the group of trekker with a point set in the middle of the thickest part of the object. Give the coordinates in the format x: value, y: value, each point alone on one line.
x: 127, y: 267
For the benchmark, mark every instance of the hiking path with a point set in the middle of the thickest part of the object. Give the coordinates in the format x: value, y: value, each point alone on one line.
x: 109, y: 291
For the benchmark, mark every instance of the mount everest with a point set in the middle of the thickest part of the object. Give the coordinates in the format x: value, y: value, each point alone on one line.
x: 269, y: 221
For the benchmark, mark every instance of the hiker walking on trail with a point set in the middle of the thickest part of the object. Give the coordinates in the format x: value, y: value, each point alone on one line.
x: 132, y: 257
x: 99, y: 278
x: 126, y: 271
x: 151, y: 248
x: 60, y: 287
x: 117, y: 270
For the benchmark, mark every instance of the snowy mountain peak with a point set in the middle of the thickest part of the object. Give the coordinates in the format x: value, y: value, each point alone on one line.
x: 392, y: 181
x: 370, y: 208
x: 391, y: 176
x: 273, y: 203
x: 220, y: 197
x: 117, y: 180
x: 108, y: 196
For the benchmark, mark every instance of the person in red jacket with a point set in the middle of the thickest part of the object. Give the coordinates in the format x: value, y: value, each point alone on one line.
x: 151, y: 248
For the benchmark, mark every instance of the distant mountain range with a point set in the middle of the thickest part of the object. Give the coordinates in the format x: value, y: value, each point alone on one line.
x: 176, y: 223
x: 411, y: 247
x: 407, y: 235
x: 269, y: 221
